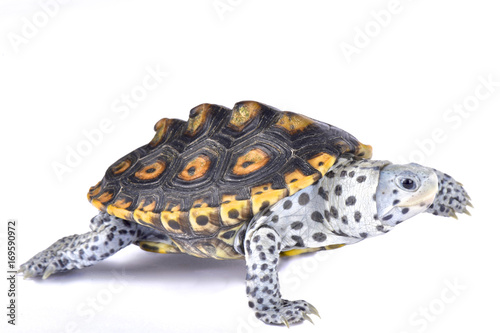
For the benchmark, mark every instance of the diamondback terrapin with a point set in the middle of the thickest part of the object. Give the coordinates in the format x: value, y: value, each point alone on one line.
x: 250, y: 183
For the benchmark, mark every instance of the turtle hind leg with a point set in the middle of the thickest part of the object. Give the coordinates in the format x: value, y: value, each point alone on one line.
x: 109, y: 234
x: 451, y: 198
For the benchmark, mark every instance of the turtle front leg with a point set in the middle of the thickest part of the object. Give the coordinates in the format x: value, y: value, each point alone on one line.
x: 262, y: 251
x: 451, y: 198
x: 109, y: 235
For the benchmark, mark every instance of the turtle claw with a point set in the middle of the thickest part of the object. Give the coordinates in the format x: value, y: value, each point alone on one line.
x: 283, y: 319
x: 467, y: 212
x: 27, y: 274
x: 48, y: 271
x: 289, y: 313
x: 452, y: 214
x: 306, y: 317
x: 314, y: 311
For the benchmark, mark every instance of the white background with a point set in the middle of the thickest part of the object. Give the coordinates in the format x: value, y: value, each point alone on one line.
x: 66, y: 67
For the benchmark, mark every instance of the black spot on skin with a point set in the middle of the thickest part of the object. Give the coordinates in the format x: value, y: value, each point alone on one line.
x: 110, y: 237
x: 233, y: 213
x: 361, y: 179
x: 297, y: 225
x: 395, y: 192
x: 271, y: 236
x: 351, y: 174
x: 287, y: 204
x: 96, y: 238
x: 344, y: 220
x: 262, y: 256
x: 299, y: 241
x: 380, y: 228
x: 202, y: 220
x: 317, y: 217
x: 338, y: 190
x: 374, y: 197
x: 250, y: 304
x: 330, y: 174
x: 120, y: 243
x: 94, y: 248
x: 395, y: 202
x: 256, y: 239
x: 327, y: 215
x: 357, y: 216
x: 275, y: 218
x: 388, y: 217
x: 322, y: 193
x: 350, y: 201
x: 272, y: 249
x: 303, y: 199
x: 122, y: 232
x: 319, y: 237
x: 334, y: 212
x: 343, y: 173
x: 363, y: 235
x: 405, y: 210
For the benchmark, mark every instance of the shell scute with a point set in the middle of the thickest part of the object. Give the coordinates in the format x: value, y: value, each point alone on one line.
x: 202, y: 180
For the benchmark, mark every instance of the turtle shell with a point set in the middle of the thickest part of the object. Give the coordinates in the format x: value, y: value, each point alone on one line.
x: 202, y: 180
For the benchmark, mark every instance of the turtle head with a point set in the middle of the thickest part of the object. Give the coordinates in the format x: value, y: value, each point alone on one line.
x: 404, y: 191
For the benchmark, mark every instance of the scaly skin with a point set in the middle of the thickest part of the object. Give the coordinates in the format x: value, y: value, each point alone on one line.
x: 344, y: 207
x: 451, y: 198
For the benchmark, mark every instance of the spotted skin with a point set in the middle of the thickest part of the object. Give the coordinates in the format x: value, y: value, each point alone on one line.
x: 301, y: 223
x: 451, y: 198
x: 251, y: 183
x: 340, y: 209
x: 108, y: 235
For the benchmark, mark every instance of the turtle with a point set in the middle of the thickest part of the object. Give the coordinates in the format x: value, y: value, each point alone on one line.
x: 252, y: 183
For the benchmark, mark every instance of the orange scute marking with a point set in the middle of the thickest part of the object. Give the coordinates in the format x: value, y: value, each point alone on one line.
x: 196, y: 168
x: 250, y: 162
x: 151, y: 171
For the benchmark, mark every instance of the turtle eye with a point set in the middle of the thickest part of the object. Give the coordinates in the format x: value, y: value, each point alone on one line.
x: 407, y: 183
